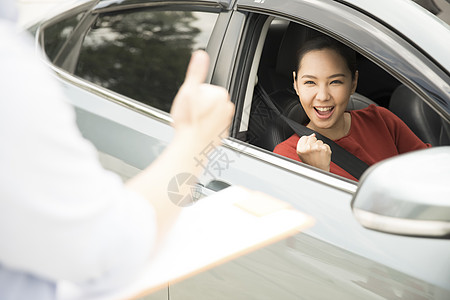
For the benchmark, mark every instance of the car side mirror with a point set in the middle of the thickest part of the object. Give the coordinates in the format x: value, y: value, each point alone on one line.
x: 407, y: 194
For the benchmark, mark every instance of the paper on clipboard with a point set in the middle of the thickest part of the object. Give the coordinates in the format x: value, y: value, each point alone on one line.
x: 214, y: 230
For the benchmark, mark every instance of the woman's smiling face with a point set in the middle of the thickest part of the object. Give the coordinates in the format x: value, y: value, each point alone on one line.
x: 324, y: 84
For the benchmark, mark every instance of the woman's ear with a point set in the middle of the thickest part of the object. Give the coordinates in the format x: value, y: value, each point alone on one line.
x: 294, y: 77
x: 355, y: 82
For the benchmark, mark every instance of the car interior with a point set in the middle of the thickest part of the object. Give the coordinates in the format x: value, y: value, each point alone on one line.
x: 375, y: 86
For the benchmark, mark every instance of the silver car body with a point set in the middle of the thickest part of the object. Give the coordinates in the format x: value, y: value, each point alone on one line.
x: 337, y: 258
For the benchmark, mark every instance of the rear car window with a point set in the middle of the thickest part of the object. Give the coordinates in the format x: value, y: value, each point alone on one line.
x: 58, y: 33
x: 143, y: 54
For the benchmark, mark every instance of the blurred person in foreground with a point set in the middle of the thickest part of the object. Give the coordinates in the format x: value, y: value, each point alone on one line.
x: 62, y: 216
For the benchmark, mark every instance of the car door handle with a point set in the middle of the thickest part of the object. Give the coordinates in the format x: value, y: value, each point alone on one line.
x: 211, y: 187
x: 217, y: 185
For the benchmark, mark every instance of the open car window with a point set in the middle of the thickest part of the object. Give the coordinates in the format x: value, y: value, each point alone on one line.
x: 274, y: 61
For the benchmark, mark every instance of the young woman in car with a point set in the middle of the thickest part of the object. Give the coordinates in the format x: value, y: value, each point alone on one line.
x: 325, y: 77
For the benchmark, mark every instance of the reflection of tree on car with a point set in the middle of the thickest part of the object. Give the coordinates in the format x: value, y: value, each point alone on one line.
x: 141, y: 55
x: 57, y: 35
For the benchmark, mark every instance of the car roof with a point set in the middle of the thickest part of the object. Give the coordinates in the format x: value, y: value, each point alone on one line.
x: 414, y: 22
x: 418, y: 25
x: 111, y: 3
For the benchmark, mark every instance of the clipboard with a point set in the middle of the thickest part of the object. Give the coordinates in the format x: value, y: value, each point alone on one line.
x: 215, y: 230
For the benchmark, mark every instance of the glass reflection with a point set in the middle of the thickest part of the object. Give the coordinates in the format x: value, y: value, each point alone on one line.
x: 57, y: 34
x: 143, y: 55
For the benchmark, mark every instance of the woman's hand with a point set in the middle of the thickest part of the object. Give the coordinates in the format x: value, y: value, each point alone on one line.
x: 314, y: 152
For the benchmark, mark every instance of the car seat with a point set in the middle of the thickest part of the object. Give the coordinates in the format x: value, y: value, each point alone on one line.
x: 266, y: 129
x: 419, y: 117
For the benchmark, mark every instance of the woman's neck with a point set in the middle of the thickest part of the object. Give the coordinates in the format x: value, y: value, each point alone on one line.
x: 339, y: 130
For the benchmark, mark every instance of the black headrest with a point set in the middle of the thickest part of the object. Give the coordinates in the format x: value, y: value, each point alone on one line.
x: 294, y: 37
x: 419, y: 117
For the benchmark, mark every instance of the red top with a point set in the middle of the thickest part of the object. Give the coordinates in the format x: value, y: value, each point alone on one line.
x: 375, y: 134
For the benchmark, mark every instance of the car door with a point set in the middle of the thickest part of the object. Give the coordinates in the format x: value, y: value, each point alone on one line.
x: 337, y: 258
x: 121, y: 63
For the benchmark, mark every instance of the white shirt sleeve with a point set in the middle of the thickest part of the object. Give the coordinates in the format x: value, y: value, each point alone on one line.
x: 62, y: 216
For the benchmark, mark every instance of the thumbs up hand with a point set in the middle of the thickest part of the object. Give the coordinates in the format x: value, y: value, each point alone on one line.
x: 202, y: 109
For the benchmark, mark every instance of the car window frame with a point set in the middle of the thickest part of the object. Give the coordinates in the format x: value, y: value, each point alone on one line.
x: 427, y: 89
x: 223, y: 15
x: 232, y: 72
x: 40, y: 32
x: 69, y: 53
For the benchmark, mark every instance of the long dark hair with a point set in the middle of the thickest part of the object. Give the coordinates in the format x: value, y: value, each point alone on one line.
x: 325, y: 42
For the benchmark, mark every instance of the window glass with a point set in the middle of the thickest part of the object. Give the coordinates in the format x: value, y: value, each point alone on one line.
x: 143, y: 54
x: 56, y: 34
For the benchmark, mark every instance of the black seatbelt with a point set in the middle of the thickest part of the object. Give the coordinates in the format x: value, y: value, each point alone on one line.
x: 341, y: 157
